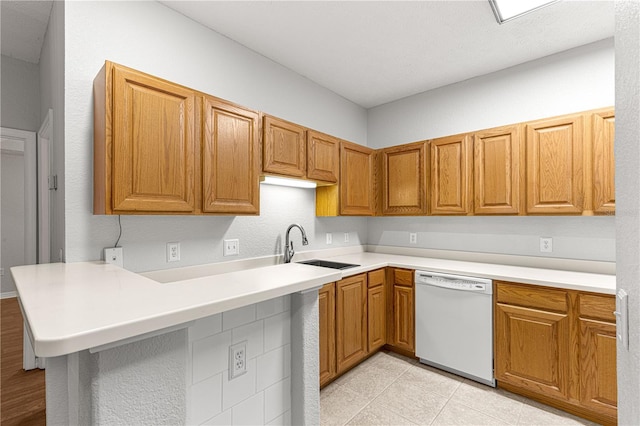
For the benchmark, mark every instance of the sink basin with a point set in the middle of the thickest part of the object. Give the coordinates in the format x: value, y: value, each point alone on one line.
x: 328, y: 264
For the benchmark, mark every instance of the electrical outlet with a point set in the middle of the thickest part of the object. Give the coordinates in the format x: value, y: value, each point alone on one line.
x: 329, y: 238
x: 346, y: 237
x: 114, y: 255
x: 231, y: 247
x: 173, y: 252
x: 237, y: 359
x: 546, y: 244
x: 413, y: 238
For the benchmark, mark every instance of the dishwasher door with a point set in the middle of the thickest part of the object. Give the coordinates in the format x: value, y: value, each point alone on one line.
x: 454, y: 324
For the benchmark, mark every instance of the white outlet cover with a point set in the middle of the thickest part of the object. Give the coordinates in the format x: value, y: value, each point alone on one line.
x: 173, y: 252
x: 231, y: 247
x: 237, y: 359
x: 546, y: 245
x: 329, y: 238
x: 413, y: 238
x: 346, y: 237
x: 114, y: 255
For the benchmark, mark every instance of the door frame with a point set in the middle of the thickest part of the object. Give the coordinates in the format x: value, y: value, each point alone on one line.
x: 45, y: 135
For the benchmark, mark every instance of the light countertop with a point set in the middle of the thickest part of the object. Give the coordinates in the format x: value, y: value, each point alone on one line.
x: 75, y: 306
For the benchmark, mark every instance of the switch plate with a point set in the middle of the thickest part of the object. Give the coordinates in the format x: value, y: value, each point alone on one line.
x: 546, y: 244
x: 231, y: 247
x: 329, y: 238
x: 114, y: 255
x: 413, y: 238
x: 173, y: 252
x: 237, y: 359
x: 622, y: 318
x: 346, y: 237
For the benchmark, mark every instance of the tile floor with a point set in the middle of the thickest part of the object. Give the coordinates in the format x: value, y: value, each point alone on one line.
x: 389, y: 389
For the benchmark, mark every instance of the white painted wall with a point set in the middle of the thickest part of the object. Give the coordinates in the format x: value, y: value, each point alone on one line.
x: 628, y: 202
x: 20, y: 100
x: 12, y: 216
x: 577, y: 80
x: 168, y: 45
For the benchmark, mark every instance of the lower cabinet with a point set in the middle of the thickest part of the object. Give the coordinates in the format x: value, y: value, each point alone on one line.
x: 327, y: 331
x: 351, y: 321
x: 376, y: 310
x: 557, y: 346
x: 402, y: 324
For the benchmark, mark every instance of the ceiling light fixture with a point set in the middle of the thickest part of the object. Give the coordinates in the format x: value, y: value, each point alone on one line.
x: 506, y: 10
x: 297, y: 183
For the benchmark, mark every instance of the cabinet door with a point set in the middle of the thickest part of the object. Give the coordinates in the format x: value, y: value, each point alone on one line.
x: 351, y: 321
x: 555, y: 165
x: 532, y: 349
x: 403, y: 318
x: 323, y: 157
x: 356, y: 180
x: 498, y: 171
x: 153, y: 145
x: 377, y: 309
x: 451, y: 168
x: 327, y: 316
x: 285, y: 149
x: 604, y: 169
x: 404, y: 180
x: 230, y: 159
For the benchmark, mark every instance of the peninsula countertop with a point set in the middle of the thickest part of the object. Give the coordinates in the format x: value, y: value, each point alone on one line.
x: 76, y: 306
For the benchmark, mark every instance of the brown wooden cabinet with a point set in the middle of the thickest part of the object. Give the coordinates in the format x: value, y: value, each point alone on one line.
x: 354, y: 195
x: 230, y: 158
x: 555, y: 165
x: 327, y: 331
x: 145, y: 144
x: 284, y: 148
x: 451, y: 173
x: 557, y: 346
x: 351, y: 321
x: 402, y: 321
x: 376, y: 310
x: 604, y: 170
x: 498, y: 171
x: 323, y: 157
x: 404, y: 179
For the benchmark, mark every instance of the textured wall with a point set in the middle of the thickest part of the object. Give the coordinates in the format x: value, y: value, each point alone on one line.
x: 20, y: 94
x: 627, y: 200
x: 171, y: 46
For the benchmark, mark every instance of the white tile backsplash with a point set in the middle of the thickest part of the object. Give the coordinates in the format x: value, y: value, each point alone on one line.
x: 210, y: 356
x: 270, y: 368
x: 283, y: 420
x: 250, y: 411
x: 260, y: 396
x: 206, y: 399
x: 277, y: 331
x: 238, y: 317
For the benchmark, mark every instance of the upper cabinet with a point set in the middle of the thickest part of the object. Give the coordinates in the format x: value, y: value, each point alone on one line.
x: 498, y: 171
x: 284, y: 149
x: 323, y: 157
x: 354, y: 194
x: 451, y: 170
x: 161, y: 148
x: 145, y: 144
x: 404, y: 179
x: 230, y: 158
x: 555, y: 165
x: 604, y: 193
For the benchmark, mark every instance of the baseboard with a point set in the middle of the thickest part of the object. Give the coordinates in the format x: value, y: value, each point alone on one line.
x: 8, y: 294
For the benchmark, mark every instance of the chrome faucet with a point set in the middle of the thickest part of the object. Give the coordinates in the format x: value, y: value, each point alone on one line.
x: 288, y: 245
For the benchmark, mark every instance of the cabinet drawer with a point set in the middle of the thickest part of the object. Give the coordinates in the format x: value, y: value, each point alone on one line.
x: 532, y: 296
x: 376, y: 278
x: 403, y: 277
x: 597, y: 306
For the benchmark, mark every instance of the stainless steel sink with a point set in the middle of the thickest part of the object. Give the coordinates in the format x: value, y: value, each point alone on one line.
x: 328, y: 264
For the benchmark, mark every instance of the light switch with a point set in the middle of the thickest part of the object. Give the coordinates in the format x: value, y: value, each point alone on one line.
x: 622, y: 318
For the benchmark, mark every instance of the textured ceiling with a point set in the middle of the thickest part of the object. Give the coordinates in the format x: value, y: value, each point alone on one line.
x: 24, y: 24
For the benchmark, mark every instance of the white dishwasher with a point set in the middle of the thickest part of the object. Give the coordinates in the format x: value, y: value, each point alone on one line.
x: 454, y: 324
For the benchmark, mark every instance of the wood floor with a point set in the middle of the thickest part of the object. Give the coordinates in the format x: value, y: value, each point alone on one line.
x: 21, y: 392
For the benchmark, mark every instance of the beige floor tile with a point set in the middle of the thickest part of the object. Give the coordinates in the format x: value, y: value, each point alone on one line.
x: 412, y: 401
x: 340, y: 405
x: 374, y: 376
x: 535, y: 413
x: 438, y: 381
x: 391, y: 361
x: 373, y: 414
x: 492, y: 402
x: 458, y: 414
